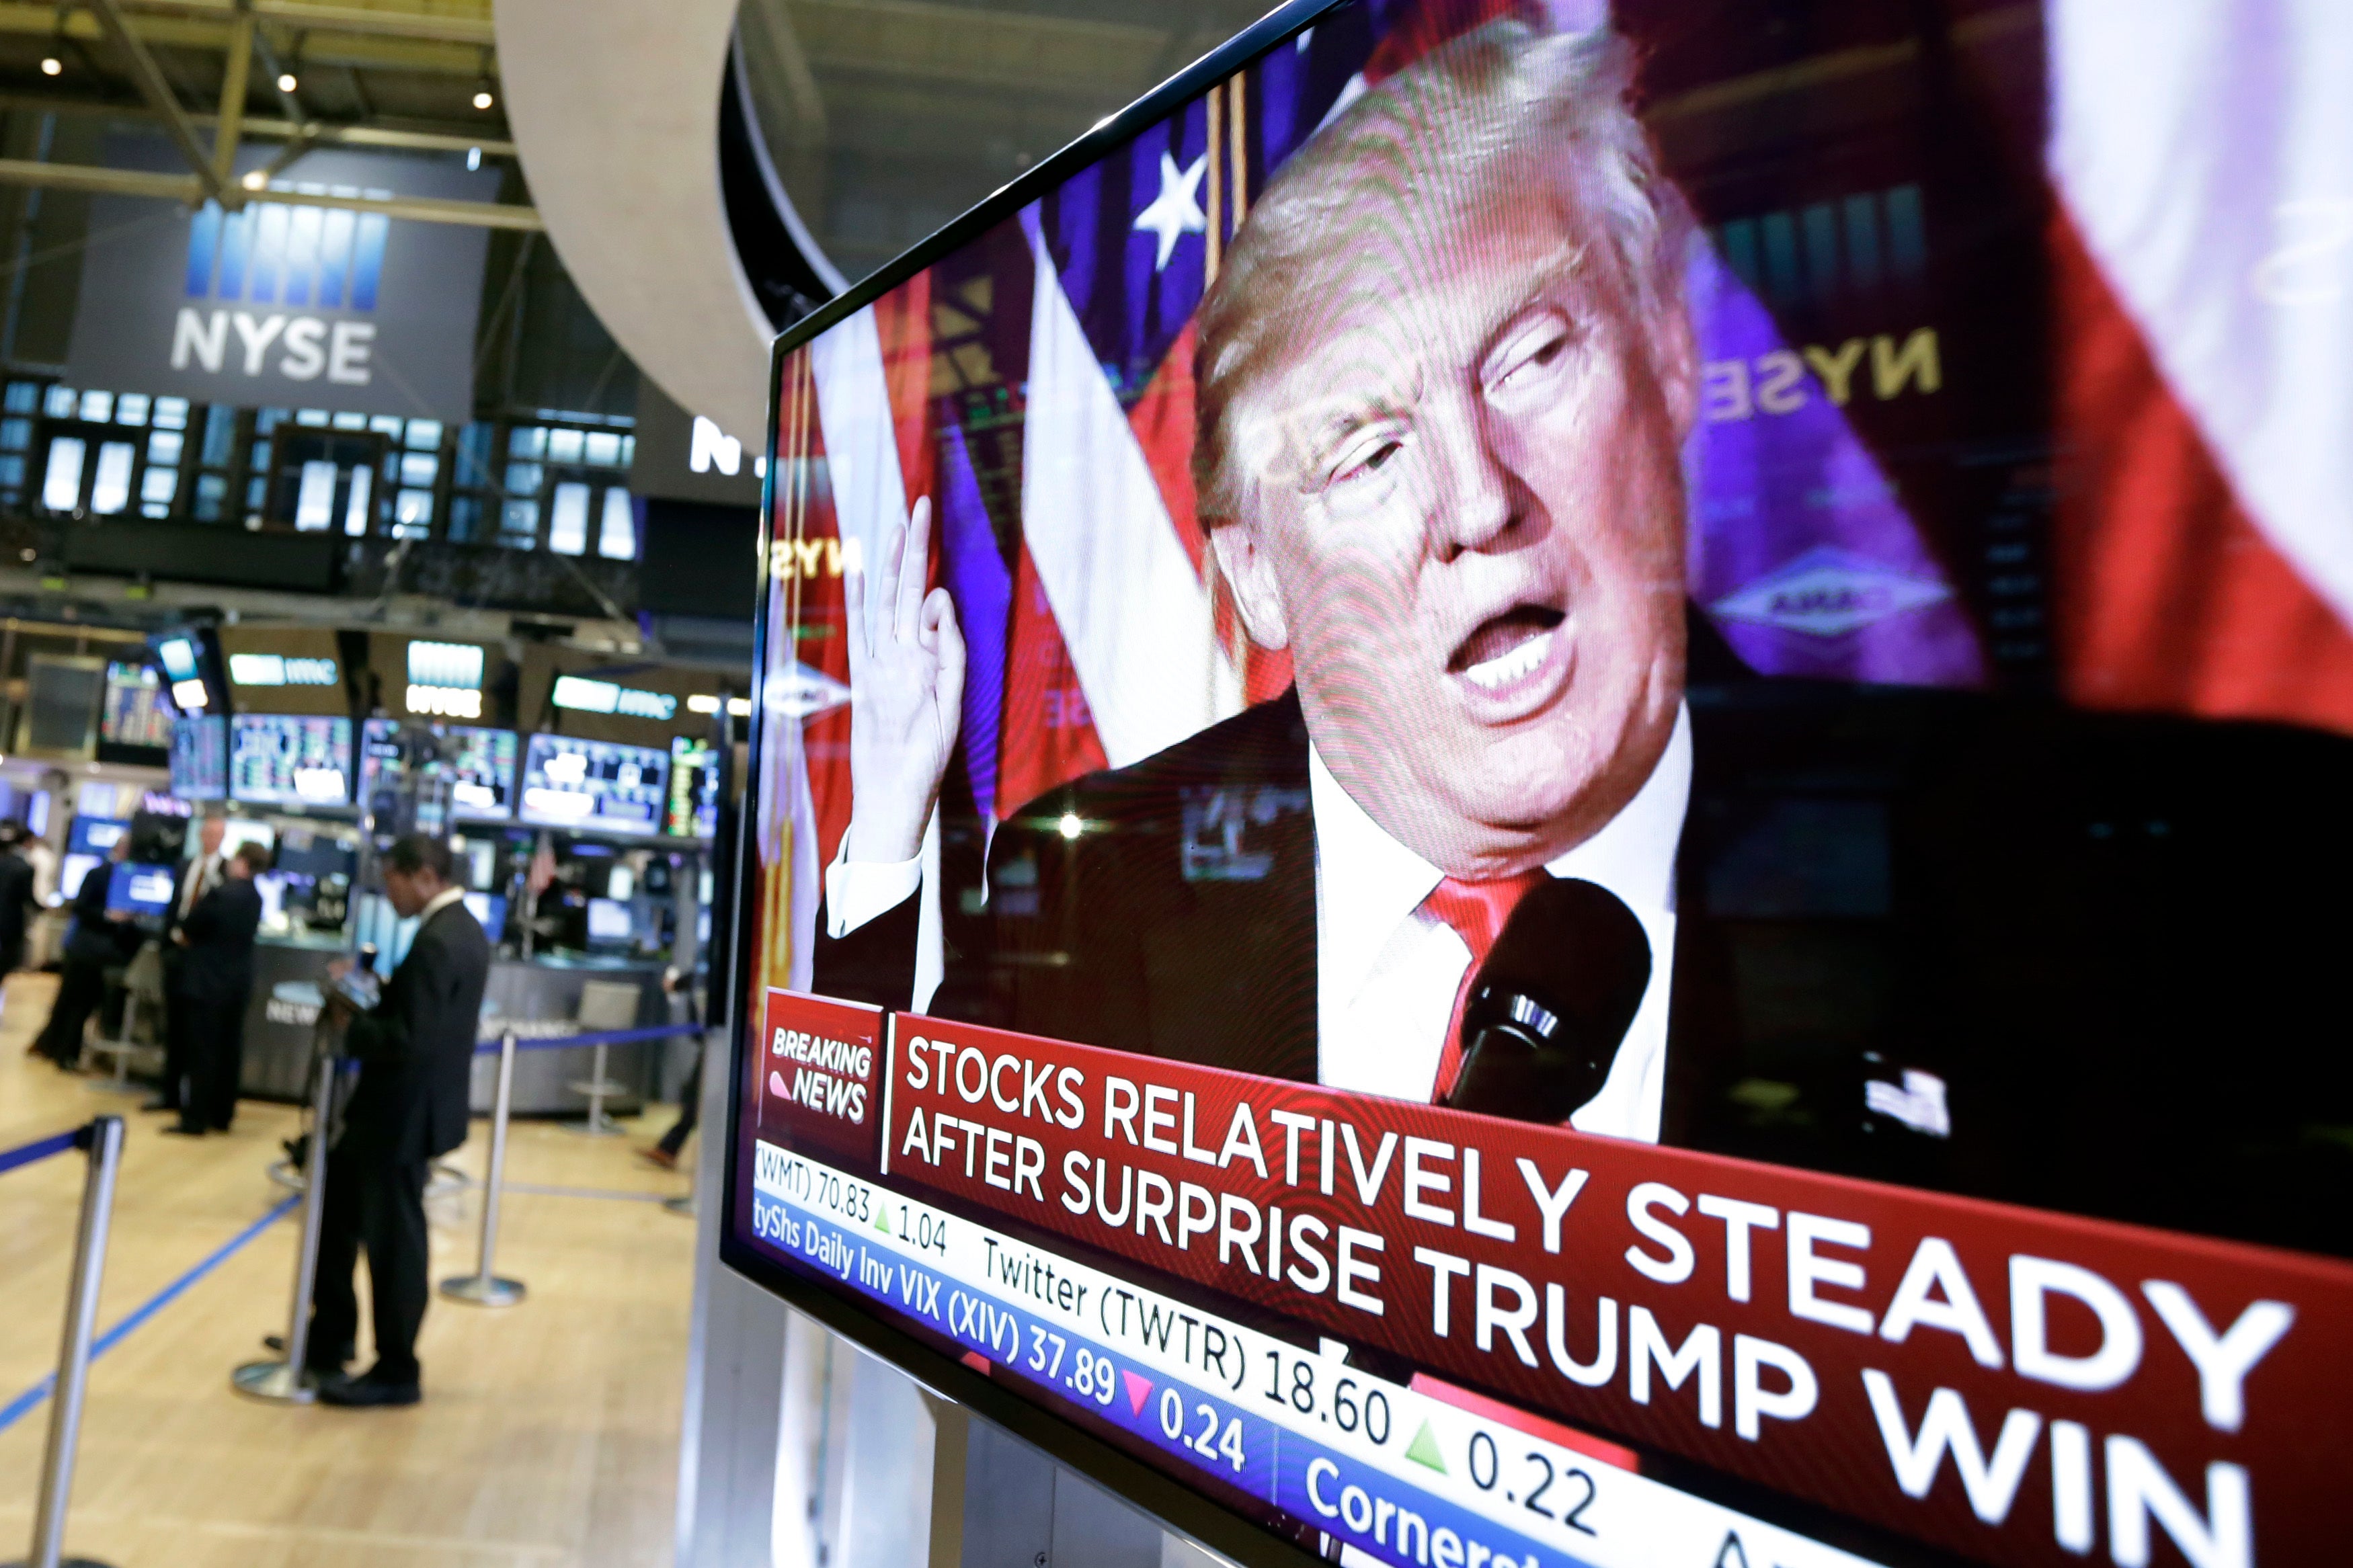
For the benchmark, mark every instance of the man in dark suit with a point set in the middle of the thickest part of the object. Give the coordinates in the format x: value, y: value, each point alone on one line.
x: 101, y: 938
x: 1980, y: 944
x: 16, y: 900
x: 215, y: 939
x: 182, y: 1006
x: 415, y: 1051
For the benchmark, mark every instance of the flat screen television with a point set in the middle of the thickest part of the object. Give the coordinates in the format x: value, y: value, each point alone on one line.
x: 482, y: 765
x: 592, y: 787
x: 1597, y: 804
x: 200, y: 758
x: 134, y: 711
x: 95, y: 835
x: 138, y: 889
x: 288, y: 759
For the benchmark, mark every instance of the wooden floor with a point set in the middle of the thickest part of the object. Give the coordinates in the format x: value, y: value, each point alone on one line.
x: 549, y: 1432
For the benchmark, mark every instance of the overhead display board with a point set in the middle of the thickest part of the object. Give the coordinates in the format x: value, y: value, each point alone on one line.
x: 1594, y: 791
x: 283, y: 303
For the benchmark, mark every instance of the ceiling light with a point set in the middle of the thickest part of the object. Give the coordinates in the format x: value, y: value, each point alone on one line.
x: 254, y: 179
x: 703, y: 703
x: 286, y: 82
x: 483, y: 100
x: 739, y: 707
x: 51, y: 65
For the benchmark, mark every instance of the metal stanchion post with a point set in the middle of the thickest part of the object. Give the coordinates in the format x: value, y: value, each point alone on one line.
x: 597, y: 1087
x: 105, y: 1140
x: 288, y: 1382
x: 482, y: 1287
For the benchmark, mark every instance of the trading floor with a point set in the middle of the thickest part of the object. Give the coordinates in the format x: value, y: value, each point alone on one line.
x: 549, y: 1432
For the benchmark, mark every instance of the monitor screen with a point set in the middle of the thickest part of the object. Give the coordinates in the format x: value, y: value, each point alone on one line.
x: 490, y: 910
x: 482, y: 765
x: 1597, y: 792
x: 610, y: 923
x: 95, y: 835
x: 134, y: 713
x: 693, y: 808
x: 141, y: 889
x: 72, y: 869
x: 200, y: 758
x: 595, y: 786
x: 284, y: 759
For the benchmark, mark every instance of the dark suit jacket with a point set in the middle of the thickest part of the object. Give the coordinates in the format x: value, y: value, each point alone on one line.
x: 416, y: 1051
x: 177, y: 970
x: 16, y: 898
x: 96, y: 938
x: 216, y: 966
x: 2114, y: 939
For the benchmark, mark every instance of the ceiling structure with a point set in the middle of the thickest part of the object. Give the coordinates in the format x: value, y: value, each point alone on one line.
x: 417, y: 74
x: 885, y: 119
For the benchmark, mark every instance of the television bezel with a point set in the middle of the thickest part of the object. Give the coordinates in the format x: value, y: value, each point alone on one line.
x: 1159, y: 1492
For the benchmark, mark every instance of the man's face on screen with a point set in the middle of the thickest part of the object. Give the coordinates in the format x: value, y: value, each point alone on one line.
x: 1465, y: 518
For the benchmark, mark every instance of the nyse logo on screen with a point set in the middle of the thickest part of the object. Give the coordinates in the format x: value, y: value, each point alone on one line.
x: 1826, y: 592
x: 273, y: 270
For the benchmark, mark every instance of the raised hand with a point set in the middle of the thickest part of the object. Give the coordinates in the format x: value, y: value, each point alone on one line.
x: 906, y: 693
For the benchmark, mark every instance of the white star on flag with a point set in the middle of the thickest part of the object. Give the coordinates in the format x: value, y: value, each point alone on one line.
x: 1175, y: 210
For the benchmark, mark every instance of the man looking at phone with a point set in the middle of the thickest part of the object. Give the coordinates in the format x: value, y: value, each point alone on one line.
x: 414, y: 1049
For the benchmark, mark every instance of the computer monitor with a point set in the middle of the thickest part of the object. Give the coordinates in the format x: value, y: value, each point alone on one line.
x: 592, y: 787
x: 140, y: 889
x: 610, y: 923
x: 95, y: 835
x: 490, y: 910
x: 200, y: 758
x: 288, y: 759
x: 481, y: 764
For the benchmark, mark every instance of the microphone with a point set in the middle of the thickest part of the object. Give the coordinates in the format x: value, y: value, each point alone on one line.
x: 1551, y: 1005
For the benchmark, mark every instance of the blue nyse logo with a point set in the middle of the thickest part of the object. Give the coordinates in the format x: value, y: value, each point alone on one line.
x: 284, y: 264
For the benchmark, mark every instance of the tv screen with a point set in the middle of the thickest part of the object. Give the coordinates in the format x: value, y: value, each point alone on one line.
x: 95, y: 835
x: 138, y: 889
x: 609, y: 924
x: 592, y: 787
x: 134, y: 713
x: 200, y: 758
x: 285, y: 759
x: 481, y: 764
x: 490, y: 910
x: 693, y: 811
x: 1597, y: 792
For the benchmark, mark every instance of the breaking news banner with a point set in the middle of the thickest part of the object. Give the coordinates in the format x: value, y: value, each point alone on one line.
x: 2009, y: 1384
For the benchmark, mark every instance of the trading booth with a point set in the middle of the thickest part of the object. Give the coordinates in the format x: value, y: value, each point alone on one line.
x: 582, y: 800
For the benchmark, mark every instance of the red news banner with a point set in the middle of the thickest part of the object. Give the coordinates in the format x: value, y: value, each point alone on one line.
x: 2021, y: 1386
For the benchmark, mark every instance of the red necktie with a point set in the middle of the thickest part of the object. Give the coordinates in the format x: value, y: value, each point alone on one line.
x: 1477, y: 911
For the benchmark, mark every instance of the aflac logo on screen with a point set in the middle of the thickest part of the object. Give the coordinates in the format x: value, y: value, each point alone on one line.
x: 287, y: 261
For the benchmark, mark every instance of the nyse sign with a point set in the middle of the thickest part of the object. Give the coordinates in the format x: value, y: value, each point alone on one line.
x: 282, y: 303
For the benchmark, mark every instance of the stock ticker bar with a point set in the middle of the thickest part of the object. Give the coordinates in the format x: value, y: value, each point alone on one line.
x: 2010, y: 1383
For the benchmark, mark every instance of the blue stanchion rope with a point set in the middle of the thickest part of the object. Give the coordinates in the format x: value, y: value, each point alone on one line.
x: 38, y: 1149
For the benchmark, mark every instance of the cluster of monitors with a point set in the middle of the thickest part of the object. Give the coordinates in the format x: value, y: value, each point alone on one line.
x: 590, y: 786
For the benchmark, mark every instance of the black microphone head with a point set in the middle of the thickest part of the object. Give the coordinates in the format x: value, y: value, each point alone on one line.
x: 1549, y: 1008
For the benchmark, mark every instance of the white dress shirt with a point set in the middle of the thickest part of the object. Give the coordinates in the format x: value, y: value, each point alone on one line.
x: 202, y: 879
x: 436, y: 903
x: 1387, y: 972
